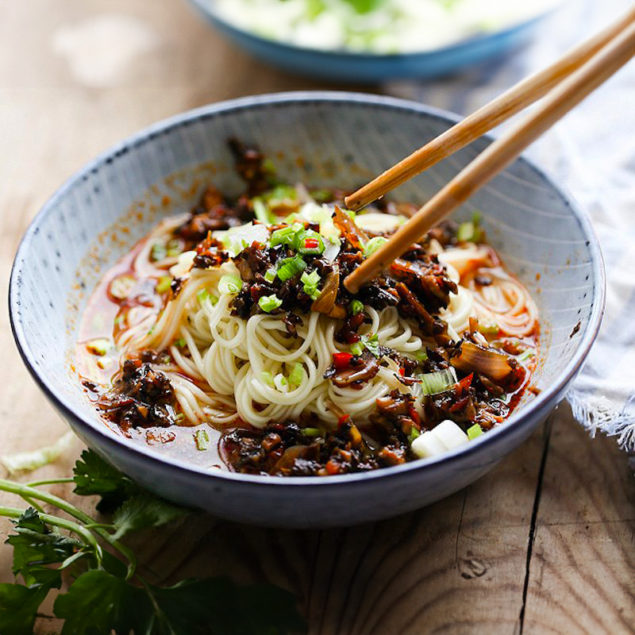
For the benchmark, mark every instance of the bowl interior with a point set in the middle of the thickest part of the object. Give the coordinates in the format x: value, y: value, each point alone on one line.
x: 328, y: 139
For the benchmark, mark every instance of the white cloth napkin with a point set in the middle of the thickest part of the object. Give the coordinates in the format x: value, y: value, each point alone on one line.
x: 592, y: 154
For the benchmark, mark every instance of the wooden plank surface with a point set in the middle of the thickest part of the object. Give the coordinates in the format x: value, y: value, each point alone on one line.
x: 543, y: 543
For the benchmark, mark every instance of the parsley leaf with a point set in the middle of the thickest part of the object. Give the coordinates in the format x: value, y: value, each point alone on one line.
x: 188, y: 608
x: 98, y: 602
x: 93, y: 475
x: 145, y: 510
x: 18, y: 607
x: 34, y: 546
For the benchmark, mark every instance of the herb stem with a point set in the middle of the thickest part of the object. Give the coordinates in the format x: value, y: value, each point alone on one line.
x: 25, y: 491
x: 52, y: 481
x: 62, y: 523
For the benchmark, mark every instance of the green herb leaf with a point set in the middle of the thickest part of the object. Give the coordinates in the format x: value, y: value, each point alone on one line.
x: 99, y: 602
x: 143, y: 511
x: 217, y: 605
x: 18, y: 608
x: 34, y: 546
x: 93, y: 475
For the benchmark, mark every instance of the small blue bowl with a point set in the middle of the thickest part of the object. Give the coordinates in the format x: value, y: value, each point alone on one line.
x: 359, y: 68
x: 325, y: 139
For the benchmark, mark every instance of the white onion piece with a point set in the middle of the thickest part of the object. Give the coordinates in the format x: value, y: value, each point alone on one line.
x: 378, y: 223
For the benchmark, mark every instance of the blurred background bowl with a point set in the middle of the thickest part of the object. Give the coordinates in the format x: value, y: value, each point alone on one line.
x: 325, y: 139
x: 367, y: 67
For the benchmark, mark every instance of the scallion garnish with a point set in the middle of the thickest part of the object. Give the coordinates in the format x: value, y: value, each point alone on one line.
x: 174, y: 248
x: 270, y: 274
x: 355, y: 307
x: 230, y: 285
x: 525, y: 356
x: 470, y: 231
x: 158, y: 252
x: 267, y: 378
x: 180, y: 343
x: 163, y: 284
x: 286, y: 235
x: 297, y: 374
x: 414, y: 433
x: 421, y: 355
x: 279, y: 194
x: 474, y: 431
x: 269, y: 303
x: 371, y: 342
x: 202, y: 440
x: 357, y: 348
x: 439, y: 381
x: 311, y: 432
x: 289, y: 267
x: 311, y: 282
x: 262, y: 212
x: 309, y: 243
x: 373, y: 245
x: 204, y: 295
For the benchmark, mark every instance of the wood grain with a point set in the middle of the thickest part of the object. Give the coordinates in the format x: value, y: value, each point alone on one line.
x: 460, y: 566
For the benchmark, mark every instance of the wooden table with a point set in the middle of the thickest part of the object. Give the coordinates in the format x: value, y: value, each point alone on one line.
x: 542, y: 543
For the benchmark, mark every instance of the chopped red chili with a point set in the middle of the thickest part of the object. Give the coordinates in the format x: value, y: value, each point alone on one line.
x: 311, y: 243
x: 343, y: 419
x: 342, y: 360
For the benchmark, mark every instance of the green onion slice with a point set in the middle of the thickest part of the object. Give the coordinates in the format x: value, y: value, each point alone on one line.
x: 311, y: 282
x: 355, y: 307
x: 202, y: 440
x: 163, y: 284
x: 439, y: 381
x: 230, y: 285
x: 474, y: 431
x: 297, y: 374
x: 289, y: 267
x: 373, y: 245
x: 269, y: 303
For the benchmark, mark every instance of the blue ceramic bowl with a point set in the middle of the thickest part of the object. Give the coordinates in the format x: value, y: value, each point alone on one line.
x: 325, y: 139
x: 352, y: 67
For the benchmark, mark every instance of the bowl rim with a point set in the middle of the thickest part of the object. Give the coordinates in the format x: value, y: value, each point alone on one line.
x: 207, y: 10
x: 518, y: 419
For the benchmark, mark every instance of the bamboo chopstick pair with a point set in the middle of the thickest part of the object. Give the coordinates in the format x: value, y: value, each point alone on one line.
x: 564, y: 84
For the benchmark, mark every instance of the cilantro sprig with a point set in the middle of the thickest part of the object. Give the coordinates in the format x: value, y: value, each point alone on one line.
x: 106, y: 593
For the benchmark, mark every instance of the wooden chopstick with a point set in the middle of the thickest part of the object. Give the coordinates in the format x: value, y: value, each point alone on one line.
x: 500, y: 153
x: 489, y: 116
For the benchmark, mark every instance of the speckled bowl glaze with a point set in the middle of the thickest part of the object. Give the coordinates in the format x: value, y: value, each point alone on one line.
x: 358, y: 67
x: 324, y: 139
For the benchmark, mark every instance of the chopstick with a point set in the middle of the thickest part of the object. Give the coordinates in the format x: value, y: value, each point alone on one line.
x: 487, y: 117
x: 500, y: 153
